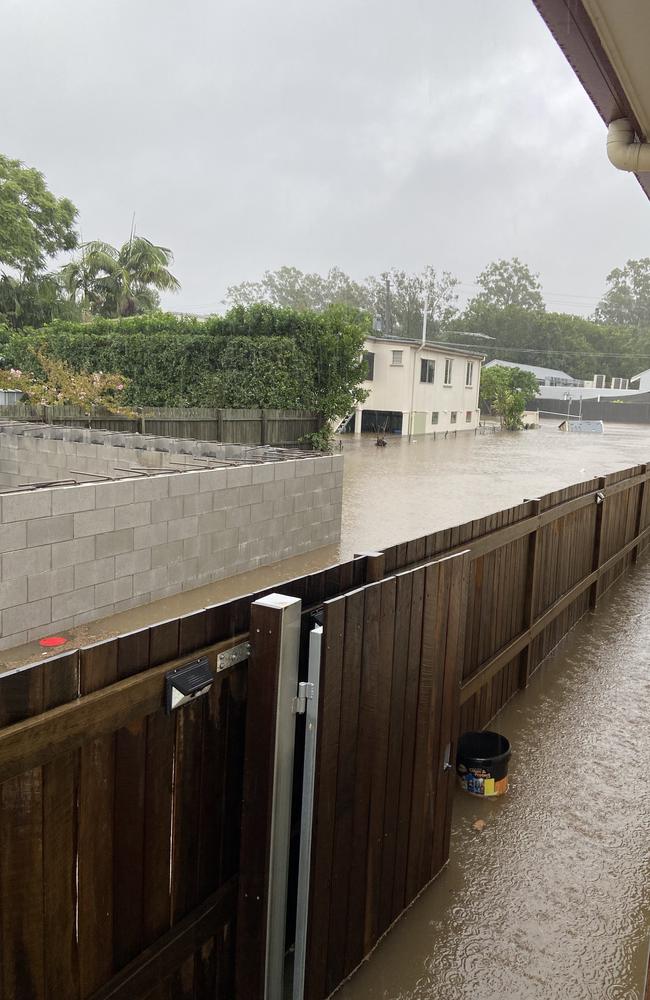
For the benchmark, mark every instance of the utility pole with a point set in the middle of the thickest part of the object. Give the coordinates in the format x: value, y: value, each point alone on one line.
x: 388, y: 313
x: 415, y: 362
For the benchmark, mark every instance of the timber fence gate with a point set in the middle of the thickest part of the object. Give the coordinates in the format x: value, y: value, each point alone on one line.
x: 154, y: 855
x: 282, y: 428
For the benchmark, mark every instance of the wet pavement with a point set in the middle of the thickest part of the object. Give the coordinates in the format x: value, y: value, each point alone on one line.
x: 552, y: 899
x: 399, y: 492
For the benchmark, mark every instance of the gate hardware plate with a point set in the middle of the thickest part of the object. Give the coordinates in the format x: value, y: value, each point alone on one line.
x: 231, y: 657
x: 305, y: 693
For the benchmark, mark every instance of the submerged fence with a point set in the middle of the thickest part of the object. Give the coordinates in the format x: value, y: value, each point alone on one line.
x: 235, y: 426
x: 142, y: 852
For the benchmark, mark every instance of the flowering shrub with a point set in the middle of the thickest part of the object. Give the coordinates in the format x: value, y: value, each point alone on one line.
x: 63, y: 385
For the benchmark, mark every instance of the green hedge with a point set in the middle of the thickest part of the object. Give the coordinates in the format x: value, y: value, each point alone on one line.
x: 257, y: 356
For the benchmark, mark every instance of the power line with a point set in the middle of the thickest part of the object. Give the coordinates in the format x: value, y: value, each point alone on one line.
x: 579, y: 354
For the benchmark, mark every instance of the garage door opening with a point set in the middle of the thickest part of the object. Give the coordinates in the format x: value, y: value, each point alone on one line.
x: 381, y: 422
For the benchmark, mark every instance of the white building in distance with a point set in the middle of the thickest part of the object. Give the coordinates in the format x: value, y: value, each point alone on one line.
x: 545, y: 376
x: 416, y: 388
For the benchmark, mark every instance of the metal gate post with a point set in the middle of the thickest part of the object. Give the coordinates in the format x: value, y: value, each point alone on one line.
x: 310, y: 703
x: 266, y: 810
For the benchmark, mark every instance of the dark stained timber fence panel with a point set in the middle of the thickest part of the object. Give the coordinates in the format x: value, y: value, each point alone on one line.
x: 21, y: 857
x: 93, y: 828
x: 390, y: 677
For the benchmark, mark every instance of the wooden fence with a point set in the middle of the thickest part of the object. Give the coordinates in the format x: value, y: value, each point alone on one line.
x: 127, y: 823
x: 283, y: 428
x: 389, y: 704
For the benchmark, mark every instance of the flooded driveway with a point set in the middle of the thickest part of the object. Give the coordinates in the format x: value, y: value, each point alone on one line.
x: 551, y: 901
x: 395, y: 493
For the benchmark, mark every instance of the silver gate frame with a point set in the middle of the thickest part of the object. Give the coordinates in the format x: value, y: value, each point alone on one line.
x: 307, y: 811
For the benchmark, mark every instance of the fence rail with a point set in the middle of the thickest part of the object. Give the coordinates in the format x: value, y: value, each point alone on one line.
x: 282, y: 428
x: 129, y: 820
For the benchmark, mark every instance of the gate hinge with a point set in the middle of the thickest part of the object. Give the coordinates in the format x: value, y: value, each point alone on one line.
x: 305, y: 693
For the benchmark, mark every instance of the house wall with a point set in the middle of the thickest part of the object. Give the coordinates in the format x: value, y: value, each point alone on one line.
x: 71, y: 554
x: 398, y: 388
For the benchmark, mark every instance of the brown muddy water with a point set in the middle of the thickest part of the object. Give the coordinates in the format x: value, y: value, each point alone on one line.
x: 399, y: 492
x: 552, y: 899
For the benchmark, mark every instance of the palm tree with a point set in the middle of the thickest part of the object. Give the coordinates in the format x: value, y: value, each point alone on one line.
x: 123, y: 282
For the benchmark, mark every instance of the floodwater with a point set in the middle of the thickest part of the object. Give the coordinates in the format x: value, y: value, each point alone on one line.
x: 401, y: 491
x: 551, y: 901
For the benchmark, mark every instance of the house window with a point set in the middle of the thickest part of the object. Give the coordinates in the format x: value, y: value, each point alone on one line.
x: 369, y: 361
x: 468, y: 416
x: 427, y: 371
x: 453, y: 416
x: 434, y: 417
x: 469, y: 374
x: 397, y: 357
x: 448, y: 369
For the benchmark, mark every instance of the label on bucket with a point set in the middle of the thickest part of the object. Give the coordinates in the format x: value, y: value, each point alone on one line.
x: 479, y: 782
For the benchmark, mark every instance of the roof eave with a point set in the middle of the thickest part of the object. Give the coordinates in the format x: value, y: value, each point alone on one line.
x: 432, y: 344
x: 572, y: 28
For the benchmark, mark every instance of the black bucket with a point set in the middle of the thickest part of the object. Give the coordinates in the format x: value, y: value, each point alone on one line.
x: 482, y: 763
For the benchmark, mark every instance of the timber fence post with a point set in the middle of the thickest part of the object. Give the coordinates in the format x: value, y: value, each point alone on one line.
x: 530, y: 599
x: 598, y: 542
x: 375, y: 565
x: 640, y: 512
x: 266, y: 809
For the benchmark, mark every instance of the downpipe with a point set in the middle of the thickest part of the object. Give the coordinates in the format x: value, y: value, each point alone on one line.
x: 622, y: 149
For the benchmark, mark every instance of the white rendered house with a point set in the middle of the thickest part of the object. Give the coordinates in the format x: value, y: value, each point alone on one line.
x: 416, y: 388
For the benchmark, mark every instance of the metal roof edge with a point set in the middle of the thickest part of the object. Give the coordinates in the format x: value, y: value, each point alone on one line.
x: 433, y: 344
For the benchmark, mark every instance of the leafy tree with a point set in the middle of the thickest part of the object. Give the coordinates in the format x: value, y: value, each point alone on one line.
x: 394, y: 298
x: 555, y: 340
x: 397, y: 301
x: 627, y: 299
x: 290, y: 288
x: 33, y: 301
x: 506, y: 392
x: 122, y: 282
x: 34, y: 224
x: 507, y: 283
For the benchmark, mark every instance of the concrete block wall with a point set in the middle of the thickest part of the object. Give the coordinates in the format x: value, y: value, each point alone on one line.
x: 41, y: 453
x: 70, y: 554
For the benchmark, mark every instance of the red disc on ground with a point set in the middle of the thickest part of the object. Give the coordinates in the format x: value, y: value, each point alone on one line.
x: 52, y: 640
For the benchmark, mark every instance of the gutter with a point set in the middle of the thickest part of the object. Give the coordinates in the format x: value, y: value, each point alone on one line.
x: 622, y: 149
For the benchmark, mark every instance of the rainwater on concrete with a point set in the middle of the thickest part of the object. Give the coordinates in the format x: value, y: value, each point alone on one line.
x: 551, y: 900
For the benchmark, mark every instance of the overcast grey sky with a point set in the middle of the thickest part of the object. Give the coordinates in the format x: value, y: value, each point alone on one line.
x: 248, y: 134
